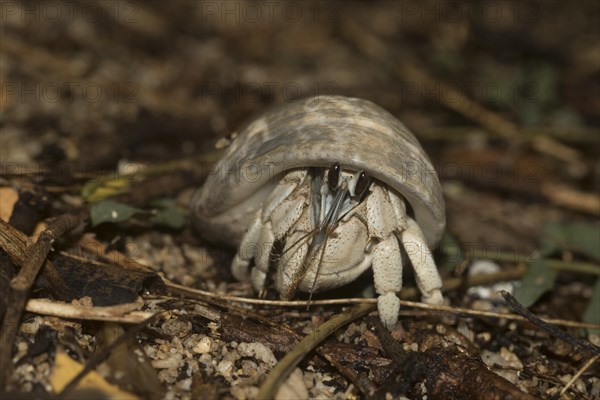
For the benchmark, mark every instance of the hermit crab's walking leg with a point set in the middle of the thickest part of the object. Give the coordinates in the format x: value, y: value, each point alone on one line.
x: 386, y: 217
x: 426, y: 273
x: 247, y: 249
x: 387, y: 274
x: 273, y: 220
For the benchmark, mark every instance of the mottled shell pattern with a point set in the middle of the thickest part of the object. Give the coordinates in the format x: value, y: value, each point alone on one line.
x: 316, y: 132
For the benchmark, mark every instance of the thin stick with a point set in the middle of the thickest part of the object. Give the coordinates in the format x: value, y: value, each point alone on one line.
x: 566, y: 196
x: 585, y: 367
x: 194, y: 293
x: 124, y: 313
x: 553, y: 330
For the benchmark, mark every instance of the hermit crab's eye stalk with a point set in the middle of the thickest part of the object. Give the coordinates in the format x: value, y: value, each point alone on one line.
x: 333, y: 176
x: 362, y: 184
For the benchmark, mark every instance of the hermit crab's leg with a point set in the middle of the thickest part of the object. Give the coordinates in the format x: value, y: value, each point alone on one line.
x: 248, y: 248
x: 387, y: 275
x: 258, y: 241
x: 426, y: 274
x: 281, y: 220
x: 291, y: 264
x: 383, y: 223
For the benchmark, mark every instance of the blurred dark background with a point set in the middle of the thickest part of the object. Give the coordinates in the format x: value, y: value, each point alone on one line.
x: 504, y: 95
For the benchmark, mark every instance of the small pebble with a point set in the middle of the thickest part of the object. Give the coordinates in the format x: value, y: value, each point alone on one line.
x: 203, y: 346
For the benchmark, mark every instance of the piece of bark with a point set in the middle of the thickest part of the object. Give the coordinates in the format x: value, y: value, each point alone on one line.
x: 442, y: 372
x: 106, y: 284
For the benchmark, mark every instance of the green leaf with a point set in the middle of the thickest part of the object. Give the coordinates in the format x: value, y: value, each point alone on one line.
x: 111, y: 211
x: 90, y: 187
x: 538, y: 279
x: 169, y: 214
x: 592, y: 313
x: 103, y: 187
x: 580, y: 237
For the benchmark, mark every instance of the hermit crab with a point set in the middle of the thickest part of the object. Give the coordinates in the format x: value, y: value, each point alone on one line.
x: 338, y: 185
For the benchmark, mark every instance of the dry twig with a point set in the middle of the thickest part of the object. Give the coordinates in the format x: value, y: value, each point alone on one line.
x: 548, y: 327
x: 584, y: 368
x: 200, y: 294
x: 123, y: 313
